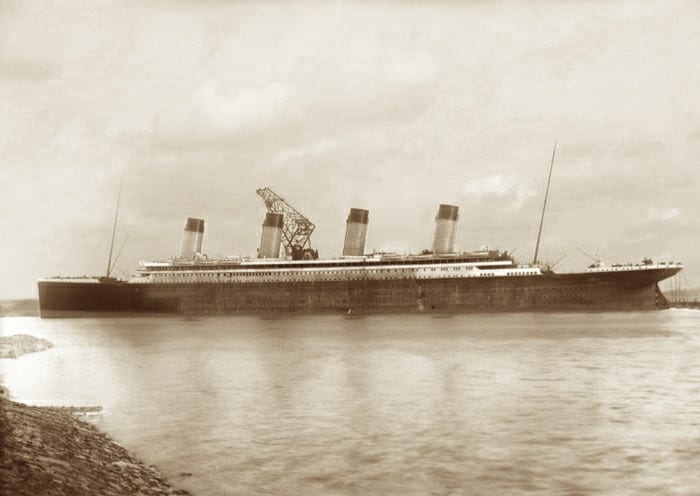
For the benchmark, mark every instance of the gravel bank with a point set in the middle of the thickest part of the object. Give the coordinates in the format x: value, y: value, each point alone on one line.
x: 20, y: 344
x: 50, y: 451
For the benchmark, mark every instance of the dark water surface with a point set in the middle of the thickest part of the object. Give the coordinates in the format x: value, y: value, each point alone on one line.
x: 471, y: 404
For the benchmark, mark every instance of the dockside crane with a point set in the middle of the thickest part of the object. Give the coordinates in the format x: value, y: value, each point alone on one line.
x: 296, y: 230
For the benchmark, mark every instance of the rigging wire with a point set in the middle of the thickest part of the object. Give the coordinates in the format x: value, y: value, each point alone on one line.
x: 544, y: 205
x: 689, y: 286
x: 114, y: 227
x: 557, y: 262
x: 114, y: 262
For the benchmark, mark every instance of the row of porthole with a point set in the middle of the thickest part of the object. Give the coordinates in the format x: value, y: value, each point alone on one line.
x: 257, y: 274
x: 351, y: 276
x: 187, y: 277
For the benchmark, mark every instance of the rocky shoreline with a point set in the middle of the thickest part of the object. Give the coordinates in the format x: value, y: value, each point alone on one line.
x: 20, y: 344
x: 51, y: 451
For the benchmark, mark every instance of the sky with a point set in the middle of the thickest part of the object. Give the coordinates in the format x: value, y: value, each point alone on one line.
x: 395, y: 107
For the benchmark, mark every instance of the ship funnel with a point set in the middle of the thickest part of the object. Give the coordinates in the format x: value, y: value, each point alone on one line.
x: 271, y: 236
x: 356, y: 232
x: 199, y: 237
x: 445, y: 229
x: 192, y: 238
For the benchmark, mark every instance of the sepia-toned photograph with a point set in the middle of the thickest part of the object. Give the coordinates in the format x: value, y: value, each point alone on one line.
x: 405, y: 248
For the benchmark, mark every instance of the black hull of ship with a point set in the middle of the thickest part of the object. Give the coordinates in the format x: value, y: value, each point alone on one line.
x: 604, y: 291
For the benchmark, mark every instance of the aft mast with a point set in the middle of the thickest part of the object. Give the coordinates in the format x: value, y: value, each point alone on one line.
x: 544, y: 206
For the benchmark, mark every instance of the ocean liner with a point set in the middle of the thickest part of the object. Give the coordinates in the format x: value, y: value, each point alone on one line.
x: 288, y: 277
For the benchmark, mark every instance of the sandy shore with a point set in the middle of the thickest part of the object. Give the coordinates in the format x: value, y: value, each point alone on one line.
x: 51, y: 451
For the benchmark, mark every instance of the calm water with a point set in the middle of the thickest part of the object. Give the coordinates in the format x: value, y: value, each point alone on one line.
x: 476, y: 404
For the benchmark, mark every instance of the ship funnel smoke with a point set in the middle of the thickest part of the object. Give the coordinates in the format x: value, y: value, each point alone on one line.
x: 356, y: 232
x: 271, y: 238
x: 445, y: 229
x: 192, y: 238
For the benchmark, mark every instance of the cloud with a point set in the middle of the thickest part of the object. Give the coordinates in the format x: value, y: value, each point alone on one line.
x: 27, y: 70
x: 638, y: 145
x: 212, y: 115
x: 417, y: 70
x: 306, y: 152
x: 511, y: 188
x: 665, y: 214
x: 328, y: 80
